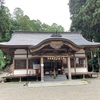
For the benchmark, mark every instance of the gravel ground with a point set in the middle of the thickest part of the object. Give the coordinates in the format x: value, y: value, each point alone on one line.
x: 16, y: 91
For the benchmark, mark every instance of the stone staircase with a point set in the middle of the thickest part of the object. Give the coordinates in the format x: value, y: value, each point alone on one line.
x: 52, y: 78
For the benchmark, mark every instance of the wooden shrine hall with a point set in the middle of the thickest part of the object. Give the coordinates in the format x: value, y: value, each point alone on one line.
x: 42, y: 53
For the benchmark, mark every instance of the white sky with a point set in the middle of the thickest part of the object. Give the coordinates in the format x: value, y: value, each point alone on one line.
x: 47, y: 11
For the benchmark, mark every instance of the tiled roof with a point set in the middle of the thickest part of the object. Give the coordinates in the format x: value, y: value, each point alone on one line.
x: 33, y: 38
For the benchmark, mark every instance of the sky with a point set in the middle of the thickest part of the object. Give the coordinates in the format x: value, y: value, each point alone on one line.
x: 47, y: 11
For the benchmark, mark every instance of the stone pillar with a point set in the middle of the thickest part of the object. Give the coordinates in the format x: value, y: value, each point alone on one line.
x: 69, y: 69
x: 42, y: 70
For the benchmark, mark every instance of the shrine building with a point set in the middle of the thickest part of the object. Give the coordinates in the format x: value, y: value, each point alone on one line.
x: 43, y: 53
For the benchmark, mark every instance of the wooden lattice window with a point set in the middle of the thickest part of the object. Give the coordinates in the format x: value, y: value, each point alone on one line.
x: 20, y: 64
x: 80, y: 62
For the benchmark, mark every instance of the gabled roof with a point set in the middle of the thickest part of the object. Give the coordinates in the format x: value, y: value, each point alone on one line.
x: 24, y: 38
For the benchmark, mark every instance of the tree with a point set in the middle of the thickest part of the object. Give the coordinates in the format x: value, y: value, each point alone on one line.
x: 18, y: 13
x: 5, y: 22
x: 85, y: 16
x: 16, y: 16
x: 24, y: 23
x: 5, y: 28
x: 36, y: 25
x: 45, y: 27
x: 54, y: 27
x: 20, y: 21
x: 75, y: 6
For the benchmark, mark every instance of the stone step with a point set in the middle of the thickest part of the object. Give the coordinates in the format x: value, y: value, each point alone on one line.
x: 52, y: 78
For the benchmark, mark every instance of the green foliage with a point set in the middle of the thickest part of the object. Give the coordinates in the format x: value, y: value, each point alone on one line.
x: 5, y: 59
x: 85, y: 15
x: 5, y: 28
x: 2, y: 61
x: 36, y: 25
x: 75, y: 6
x: 23, y: 22
x: 18, y: 13
x: 45, y: 27
x: 54, y: 27
x: 93, y: 62
x: 5, y: 23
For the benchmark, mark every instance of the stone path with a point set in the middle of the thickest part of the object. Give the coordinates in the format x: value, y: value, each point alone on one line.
x: 16, y: 91
x: 60, y: 80
x: 57, y: 83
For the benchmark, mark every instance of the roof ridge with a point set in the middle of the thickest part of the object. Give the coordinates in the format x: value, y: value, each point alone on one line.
x: 16, y: 31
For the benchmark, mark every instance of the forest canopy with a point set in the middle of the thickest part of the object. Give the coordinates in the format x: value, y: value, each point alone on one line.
x: 85, y: 16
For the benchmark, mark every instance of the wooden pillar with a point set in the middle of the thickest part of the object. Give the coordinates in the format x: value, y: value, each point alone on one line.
x: 86, y: 63
x: 27, y: 63
x: 75, y: 66
x: 74, y: 63
x: 42, y: 70
x: 69, y: 68
x: 13, y: 64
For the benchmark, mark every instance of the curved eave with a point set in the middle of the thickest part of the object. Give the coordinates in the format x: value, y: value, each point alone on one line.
x: 92, y: 46
x: 55, y: 39
x: 7, y: 45
x: 88, y: 48
x: 49, y: 41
